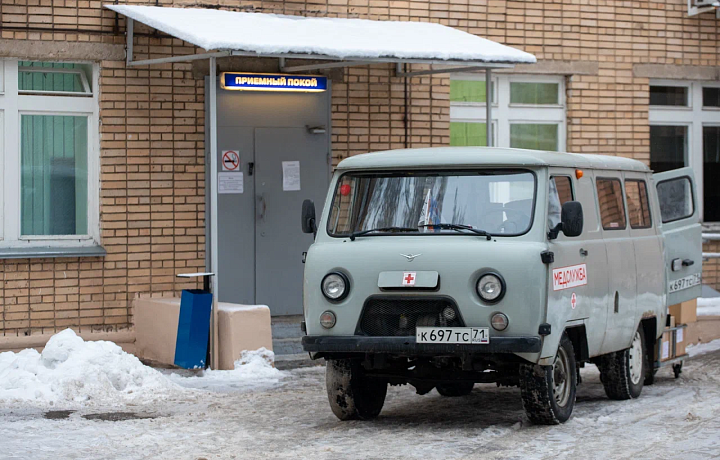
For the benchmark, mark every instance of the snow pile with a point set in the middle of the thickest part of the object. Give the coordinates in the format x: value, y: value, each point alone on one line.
x: 708, y: 306
x: 253, y: 371
x: 702, y: 348
x: 72, y: 370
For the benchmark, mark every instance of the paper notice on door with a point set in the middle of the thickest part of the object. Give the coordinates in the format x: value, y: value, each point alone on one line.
x: 291, y: 175
x: 230, y: 182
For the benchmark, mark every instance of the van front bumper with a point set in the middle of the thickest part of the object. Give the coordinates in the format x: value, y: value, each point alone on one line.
x: 407, y: 345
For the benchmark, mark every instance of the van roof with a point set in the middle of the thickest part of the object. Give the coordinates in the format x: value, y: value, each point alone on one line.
x: 436, y: 157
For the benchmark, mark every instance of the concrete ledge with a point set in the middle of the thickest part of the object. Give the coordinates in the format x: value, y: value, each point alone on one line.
x: 676, y: 72
x: 47, y: 252
x: 48, y: 49
x: 156, y: 328
x: 126, y: 339
x: 242, y: 327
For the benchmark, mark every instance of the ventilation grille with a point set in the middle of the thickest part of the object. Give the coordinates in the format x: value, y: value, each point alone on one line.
x: 398, y: 317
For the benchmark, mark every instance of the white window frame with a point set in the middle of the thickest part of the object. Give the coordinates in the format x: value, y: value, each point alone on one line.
x: 14, y: 104
x: 695, y: 117
x: 79, y: 72
x: 506, y: 114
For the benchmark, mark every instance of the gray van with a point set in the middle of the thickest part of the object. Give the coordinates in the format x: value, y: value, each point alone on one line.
x: 445, y: 267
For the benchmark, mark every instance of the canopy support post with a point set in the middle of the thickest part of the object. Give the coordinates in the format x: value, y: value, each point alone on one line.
x: 129, y: 37
x: 214, y: 361
x: 488, y: 106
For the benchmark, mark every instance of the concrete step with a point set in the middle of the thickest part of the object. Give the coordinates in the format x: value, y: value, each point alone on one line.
x: 294, y: 361
x: 287, y: 346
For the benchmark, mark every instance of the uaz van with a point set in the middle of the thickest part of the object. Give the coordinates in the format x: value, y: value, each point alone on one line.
x: 445, y: 267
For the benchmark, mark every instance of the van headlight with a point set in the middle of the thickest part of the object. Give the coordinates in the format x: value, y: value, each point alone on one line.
x: 491, y: 287
x: 335, y: 286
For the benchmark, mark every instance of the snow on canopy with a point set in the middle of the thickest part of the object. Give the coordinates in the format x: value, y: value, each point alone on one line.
x: 333, y: 37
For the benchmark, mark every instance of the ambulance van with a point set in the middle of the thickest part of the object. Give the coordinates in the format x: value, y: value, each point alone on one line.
x: 446, y: 267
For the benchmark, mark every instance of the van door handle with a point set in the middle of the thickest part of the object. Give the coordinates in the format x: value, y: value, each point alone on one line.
x: 687, y: 262
x: 583, y: 252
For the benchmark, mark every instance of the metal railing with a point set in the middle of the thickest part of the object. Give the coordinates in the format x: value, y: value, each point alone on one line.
x: 710, y: 237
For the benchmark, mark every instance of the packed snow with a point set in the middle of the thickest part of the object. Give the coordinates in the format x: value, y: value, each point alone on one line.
x: 263, y: 33
x: 708, y: 306
x: 702, y: 348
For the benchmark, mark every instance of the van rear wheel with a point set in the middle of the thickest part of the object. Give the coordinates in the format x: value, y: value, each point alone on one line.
x: 548, y: 392
x: 351, y: 393
x: 452, y: 389
x: 623, y: 372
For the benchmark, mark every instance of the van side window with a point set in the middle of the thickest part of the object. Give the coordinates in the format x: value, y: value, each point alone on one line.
x: 560, y: 193
x: 612, y: 210
x: 676, y: 200
x: 637, y: 201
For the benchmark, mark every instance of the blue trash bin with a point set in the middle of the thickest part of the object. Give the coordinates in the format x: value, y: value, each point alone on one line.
x: 193, y: 329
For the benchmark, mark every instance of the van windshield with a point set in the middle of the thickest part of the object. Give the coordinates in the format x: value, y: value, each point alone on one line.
x: 500, y: 202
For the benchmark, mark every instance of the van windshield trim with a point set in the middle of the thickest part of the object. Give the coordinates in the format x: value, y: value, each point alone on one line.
x: 421, y: 172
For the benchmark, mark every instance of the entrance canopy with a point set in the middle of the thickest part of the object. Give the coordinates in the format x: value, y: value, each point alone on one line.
x: 335, y: 39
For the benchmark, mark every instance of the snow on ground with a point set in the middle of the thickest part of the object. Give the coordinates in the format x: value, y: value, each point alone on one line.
x: 702, y: 348
x: 291, y: 419
x: 73, y: 373
x: 708, y: 306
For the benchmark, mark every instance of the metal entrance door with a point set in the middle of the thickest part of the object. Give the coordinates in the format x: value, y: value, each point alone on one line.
x: 279, y: 242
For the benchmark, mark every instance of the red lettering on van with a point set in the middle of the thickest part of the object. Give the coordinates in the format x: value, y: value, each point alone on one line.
x: 568, y: 277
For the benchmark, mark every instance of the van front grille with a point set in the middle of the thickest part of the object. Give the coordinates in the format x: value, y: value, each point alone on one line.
x: 399, y: 316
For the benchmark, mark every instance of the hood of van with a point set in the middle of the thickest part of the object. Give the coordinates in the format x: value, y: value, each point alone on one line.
x: 375, y: 266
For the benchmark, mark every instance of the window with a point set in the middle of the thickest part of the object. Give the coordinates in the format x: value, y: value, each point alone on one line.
x: 669, y: 95
x: 687, y: 135
x: 612, y: 210
x: 668, y: 147
x: 50, y: 172
x: 560, y: 193
x: 637, y: 202
x: 497, y: 201
x: 528, y: 112
x: 675, y: 197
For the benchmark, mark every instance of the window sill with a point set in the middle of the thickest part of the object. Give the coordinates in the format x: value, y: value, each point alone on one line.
x: 47, y: 252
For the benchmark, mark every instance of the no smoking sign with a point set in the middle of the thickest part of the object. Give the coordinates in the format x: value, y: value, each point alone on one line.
x: 230, y: 160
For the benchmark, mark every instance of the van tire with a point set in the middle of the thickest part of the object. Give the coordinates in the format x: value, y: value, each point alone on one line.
x: 616, y: 370
x: 453, y: 389
x: 537, y: 387
x: 351, y: 393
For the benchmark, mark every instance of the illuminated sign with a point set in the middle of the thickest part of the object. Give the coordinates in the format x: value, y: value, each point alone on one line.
x: 272, y: 82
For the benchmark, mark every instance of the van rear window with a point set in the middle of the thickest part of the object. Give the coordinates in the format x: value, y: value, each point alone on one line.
x: 612, y: 209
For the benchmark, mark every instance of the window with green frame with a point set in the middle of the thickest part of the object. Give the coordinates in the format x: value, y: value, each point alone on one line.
x: 467, y: 134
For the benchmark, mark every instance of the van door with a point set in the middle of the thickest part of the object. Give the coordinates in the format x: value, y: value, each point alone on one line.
x: 682, y: 234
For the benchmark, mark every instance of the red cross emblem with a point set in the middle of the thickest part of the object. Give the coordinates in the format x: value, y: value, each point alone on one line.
x: 408, y: 279
x: 573, y: 300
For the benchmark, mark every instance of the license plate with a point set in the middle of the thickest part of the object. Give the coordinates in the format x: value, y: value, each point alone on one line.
x: 684, y: 283
x: 470, y: 335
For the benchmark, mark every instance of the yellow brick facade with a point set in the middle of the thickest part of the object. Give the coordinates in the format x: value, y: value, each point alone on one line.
x: 152, y: 190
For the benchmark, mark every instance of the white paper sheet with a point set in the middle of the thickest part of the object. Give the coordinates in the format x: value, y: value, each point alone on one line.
x: 291, y: 175
x: 230, y: 182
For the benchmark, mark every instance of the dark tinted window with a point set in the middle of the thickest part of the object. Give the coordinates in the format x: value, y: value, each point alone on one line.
x: 669, y: 95
x: 711, y: 97
x: 668, y: 145
x: 638, y: 206
x: 711, y: 173
x: 610, y: 198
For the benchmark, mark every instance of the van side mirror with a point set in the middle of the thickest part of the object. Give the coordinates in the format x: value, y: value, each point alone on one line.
x: 571, y: 221
x: 308, y: 217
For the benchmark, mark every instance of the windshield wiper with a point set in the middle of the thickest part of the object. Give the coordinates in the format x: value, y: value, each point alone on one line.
x: 459, y: 228
x: 382, y: 229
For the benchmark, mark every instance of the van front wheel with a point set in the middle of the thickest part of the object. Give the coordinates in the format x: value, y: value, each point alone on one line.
x: 351, y: 393
x: 623, y: 372
x: 548, y: 392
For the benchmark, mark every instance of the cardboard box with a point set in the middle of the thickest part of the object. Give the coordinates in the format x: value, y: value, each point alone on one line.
x: 680, y: 338
x: 685, y: 312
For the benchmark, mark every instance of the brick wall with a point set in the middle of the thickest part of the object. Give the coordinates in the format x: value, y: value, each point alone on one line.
x: 152, y: 189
